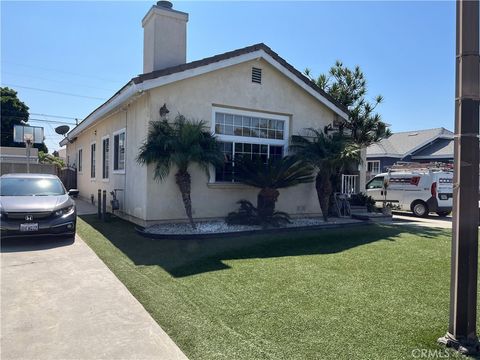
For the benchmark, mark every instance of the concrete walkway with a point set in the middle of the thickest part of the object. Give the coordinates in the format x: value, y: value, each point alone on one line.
x: 85, y: 207
x: 60, y: 301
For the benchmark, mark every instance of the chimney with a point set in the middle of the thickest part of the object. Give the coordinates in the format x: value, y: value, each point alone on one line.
x: 164, y: 37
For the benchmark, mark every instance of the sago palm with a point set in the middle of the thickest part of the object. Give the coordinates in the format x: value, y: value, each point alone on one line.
x: 271, y: 176
x: 329, y: 155
x: 180, y: 144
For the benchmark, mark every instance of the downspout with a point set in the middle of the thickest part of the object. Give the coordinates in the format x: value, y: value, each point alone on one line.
x: 125, y: 174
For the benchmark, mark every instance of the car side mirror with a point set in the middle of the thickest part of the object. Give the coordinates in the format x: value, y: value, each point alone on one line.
x: 73, y: 192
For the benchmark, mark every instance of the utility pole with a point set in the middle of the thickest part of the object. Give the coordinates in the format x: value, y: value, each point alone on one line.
x: 462, y: 332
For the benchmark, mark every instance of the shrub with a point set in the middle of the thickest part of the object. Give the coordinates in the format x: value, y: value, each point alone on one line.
x: 363, y: 200
x: 248, y: 214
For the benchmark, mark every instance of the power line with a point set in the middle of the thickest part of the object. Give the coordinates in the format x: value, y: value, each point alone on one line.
x: 56, y: 116
x: 46, y: 120
x: 61, y: 71
x: 55, y: 80
x: 54, y: 92
x: 52, y: 121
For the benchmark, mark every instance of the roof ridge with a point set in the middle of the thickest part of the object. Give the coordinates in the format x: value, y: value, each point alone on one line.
x: 421, y: 130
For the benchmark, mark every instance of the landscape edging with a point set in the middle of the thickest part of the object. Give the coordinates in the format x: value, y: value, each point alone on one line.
x: 143, y: 233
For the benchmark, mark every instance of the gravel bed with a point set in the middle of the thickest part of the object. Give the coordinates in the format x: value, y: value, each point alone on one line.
x: 209, y: 227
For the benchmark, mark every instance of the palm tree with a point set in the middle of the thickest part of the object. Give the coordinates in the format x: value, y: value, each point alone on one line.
x: 179, y: 145
x: 271, y: 176
x: 329, y: 155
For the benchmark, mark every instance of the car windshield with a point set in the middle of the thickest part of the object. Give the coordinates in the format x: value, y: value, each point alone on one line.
x: 31, y: 187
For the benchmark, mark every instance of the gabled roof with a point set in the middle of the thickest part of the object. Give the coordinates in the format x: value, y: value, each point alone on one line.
x: 402, y: 144
x: 232, y: 54
x: 157, y: 78
x: 441, y: 148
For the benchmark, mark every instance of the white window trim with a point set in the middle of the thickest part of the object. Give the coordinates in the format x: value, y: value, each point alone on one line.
x: 248, y: 139
x: 107, y: 179
x: 90, y: 168
x: 377, y: 162
x: 122, y: 171
x: 78, y: 151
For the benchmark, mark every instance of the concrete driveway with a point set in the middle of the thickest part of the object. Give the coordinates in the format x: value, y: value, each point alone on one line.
x: 60, y: 301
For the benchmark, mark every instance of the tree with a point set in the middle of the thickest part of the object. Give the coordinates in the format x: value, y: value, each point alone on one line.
x: 180, y: 144
x: 46, y: 158
x: 349, y: 88
x: 13, y: 112
x: 270, y: 176
x: 329, y: 154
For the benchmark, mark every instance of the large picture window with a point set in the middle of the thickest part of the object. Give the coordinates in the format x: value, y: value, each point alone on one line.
x: 251, y: 126
x: 105, y: 157
x: 119, y: 151
x: 93, y: 155
x: 250, y: 134
x: 226, y: 173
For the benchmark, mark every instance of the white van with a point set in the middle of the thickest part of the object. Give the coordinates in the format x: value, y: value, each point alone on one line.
x: 418, y: 191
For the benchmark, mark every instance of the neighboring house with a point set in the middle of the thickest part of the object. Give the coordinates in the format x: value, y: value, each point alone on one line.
x: 62, y: 154
x: 251, y: 98
x: 431, y: 145
x: 14, y: 160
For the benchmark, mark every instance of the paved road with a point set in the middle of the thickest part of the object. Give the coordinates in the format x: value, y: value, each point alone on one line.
x: 60, y: 301
x: 430, y: 221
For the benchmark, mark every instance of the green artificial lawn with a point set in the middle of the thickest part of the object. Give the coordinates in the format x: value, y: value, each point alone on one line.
x: 371, y: 292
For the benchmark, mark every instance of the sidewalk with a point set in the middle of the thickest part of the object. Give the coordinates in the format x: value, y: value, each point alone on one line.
x: 60, y: 301
x: 85, y: 208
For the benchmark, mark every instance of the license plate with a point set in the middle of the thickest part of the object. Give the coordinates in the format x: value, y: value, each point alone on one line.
x: 29, y: 227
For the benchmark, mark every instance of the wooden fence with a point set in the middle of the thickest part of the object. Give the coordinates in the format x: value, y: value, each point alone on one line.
x: 67, y: 175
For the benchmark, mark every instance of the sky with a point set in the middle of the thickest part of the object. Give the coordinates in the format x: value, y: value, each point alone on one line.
x: 67, y: 58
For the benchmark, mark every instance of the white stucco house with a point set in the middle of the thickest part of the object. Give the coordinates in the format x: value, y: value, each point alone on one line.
x: 251, y: 97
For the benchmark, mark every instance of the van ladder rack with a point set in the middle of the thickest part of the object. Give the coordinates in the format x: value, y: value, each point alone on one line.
x: 432, y: 166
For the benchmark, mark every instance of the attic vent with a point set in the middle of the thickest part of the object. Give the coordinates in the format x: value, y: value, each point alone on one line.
x: 413, y: 134
x: 256, y: 75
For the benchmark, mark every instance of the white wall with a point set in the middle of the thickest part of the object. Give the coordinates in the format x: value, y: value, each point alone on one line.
x: 232, y: 88
x: 134, y: 119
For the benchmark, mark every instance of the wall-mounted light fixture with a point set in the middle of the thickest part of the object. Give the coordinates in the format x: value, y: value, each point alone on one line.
x: 163, y: 111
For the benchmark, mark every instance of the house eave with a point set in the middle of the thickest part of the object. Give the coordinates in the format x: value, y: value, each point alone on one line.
x: 385, y: 155
x: 127, y: 92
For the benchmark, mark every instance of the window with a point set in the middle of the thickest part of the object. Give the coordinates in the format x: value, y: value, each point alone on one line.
x: 373, y: 167
x: 247, y: 133
x: 105, y: 157
x: 256, y: 75
x: 376, y: 183
x: 119, y: 151
x: 79, y: 161
x: 226, y: 173
x: 92, y: 160
x: 257, y: 127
